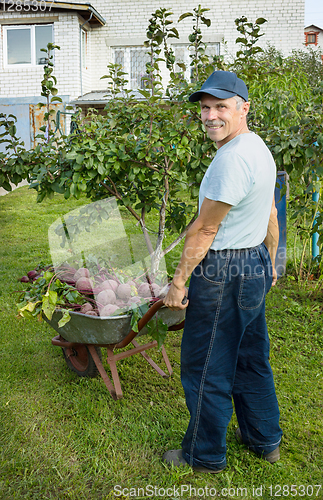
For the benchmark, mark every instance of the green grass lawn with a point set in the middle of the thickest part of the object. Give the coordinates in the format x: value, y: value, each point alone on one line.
x: 63, y: 437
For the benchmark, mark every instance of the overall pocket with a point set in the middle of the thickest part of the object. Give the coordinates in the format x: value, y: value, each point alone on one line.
x: 214, y: 267
x: 252, y: 290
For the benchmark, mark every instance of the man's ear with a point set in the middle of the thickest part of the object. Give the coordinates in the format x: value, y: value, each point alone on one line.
x: 245, y: 108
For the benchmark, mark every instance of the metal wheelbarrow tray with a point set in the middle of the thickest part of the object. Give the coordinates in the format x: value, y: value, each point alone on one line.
x: 82, y: 337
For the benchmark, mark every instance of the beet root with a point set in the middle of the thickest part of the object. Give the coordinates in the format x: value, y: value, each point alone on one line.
x: 106, y: 297
x: 33, y: 274
x: 83, y: 284
x: 83, y: 272
x: 149, y: 290
x: 120, y: 303
x: 144, y: 290
x: 124, y: 291
x: 108, y: 310
x: 109, y: 285
x: 134, y: 300
x: 91, y: 313
x: 85, y: 308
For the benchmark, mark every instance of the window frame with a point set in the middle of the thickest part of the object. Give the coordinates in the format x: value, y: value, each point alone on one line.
x: 187, y: 60
x: 84, y: 48
x: 126, y: 49
x: 127, y: 62
x: 311, y: 33
x: 32, y: 28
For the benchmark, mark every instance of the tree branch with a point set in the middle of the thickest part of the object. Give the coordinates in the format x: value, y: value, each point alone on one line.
x: 132, y: 211
x: 162, y: 217
x: 145, y: 164
x: 180, y: 237
x: 119, y: 197
x: 144, y: 230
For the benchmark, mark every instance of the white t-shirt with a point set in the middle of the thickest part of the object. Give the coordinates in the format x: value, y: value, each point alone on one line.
x: 242, y: 174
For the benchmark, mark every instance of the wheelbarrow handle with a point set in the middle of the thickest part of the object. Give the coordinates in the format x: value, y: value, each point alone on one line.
x: 141, y: 323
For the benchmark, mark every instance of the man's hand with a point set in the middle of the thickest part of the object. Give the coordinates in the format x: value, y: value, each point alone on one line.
x: 272, y: 238
x: 174, y: 298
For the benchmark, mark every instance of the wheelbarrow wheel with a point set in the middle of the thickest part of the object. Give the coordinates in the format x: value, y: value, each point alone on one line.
x: 80, y: 361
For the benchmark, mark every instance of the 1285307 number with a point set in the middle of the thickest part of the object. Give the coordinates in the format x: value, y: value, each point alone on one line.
x: 293, y: 490
x: 26, y: 5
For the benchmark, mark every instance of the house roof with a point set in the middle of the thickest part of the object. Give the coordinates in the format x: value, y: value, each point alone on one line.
x: 313, y: 27
x: 86, y: 10
x: 94, y: 97
x: 97, y: 97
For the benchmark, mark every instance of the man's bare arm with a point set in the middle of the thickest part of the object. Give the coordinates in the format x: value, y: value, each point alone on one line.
x: 272, y: 238
x: 198, y: 240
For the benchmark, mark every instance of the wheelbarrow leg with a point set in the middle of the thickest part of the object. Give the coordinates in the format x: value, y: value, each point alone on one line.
x: 115, y: 395
x: 152, y: 363
x: 167, y: 362
x: 114, y: 372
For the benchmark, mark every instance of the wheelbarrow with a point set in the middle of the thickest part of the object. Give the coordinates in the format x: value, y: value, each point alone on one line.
x: 83, y: 336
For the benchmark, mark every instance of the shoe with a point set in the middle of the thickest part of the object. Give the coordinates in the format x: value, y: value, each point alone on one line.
x: 175, y: 457
x: 271, y: 457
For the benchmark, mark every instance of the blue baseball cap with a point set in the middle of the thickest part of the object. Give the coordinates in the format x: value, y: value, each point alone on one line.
x: 223, y: 85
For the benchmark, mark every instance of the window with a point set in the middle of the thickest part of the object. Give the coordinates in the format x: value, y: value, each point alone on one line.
x: 311, y: 38
x: 84, y: 48
x: 182, y: 55
x: 23, y: 44
x: 133, y: 60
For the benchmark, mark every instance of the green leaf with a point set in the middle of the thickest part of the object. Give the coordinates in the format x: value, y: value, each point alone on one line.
x: 309, y: 152
x: 58, y: 99
x: 195, y: 192
x: 101, y: 169
x: 64, y: 319
x: 287, y: 158
x: 49, y: 303
x: 29, y: 307
x: 144, y: 93
x: 157, y: 329
x: 294, y: 143
x: 182, y: 66
x: 183, y: 16
x: 242, y: 40
x: 206, y: 21
x: 135, y: 317
x: 261, y: 20
x: 79, y: 159
x: 174, y: 30
x: 112, y: 123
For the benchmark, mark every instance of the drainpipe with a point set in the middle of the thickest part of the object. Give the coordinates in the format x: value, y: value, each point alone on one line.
x: 81, y: 26
x: 315, y: 236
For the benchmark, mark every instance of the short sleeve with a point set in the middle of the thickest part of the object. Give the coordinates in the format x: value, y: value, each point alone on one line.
x: 229, y: 179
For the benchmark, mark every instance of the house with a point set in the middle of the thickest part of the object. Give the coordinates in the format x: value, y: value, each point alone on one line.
x: 313, y: 37
x: 92, y: 35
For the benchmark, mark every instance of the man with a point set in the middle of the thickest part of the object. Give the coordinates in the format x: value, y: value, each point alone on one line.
x: 225, y: 346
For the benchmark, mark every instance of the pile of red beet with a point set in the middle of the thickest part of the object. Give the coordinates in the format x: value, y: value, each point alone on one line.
x: 103, y: 292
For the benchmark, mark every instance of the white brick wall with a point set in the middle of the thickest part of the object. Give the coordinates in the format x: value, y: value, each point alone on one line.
x: 126, y: 24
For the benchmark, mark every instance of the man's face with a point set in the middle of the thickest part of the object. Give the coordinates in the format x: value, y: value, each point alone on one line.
x: 221, y: 118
